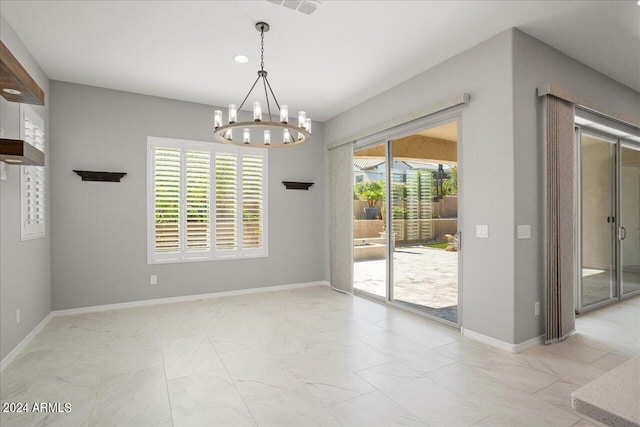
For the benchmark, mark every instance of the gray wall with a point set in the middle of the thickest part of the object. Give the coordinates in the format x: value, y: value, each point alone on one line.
x: 502, y: 276
x: 25, y: 267
x: 487, y: 191
x: 99, y: 229
x: 535, y: 64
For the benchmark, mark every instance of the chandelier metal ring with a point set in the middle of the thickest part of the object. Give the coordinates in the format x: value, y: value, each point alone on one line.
x: 219, y: 133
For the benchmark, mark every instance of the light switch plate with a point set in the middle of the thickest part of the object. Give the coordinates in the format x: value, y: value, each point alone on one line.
x: 524, y: 232
x: 482, y: 231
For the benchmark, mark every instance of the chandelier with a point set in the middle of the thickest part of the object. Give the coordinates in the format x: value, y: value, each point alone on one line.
x: 261, y: 132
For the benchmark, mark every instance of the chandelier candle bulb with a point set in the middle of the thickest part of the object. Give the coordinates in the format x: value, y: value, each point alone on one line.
x: 217, y: 118
x: 286, y: 136
x: 284, y: 114
x: 246, y: 135
x: 233, y: 113
x: 302, y: 117
x: 229, y: 134
x: 307, y: 125
x: 267, y: 137
x: 257, y: 111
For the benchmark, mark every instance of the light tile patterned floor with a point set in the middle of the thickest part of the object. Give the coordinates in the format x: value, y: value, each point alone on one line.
x: 425, y: 278
x: 305, y: 357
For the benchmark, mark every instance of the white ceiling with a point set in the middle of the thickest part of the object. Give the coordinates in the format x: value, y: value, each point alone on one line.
x: 326, y: 62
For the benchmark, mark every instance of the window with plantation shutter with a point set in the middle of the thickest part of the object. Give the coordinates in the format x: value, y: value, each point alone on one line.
x: 198, y: 201
x: 168, y: 162
x: 226, y: 202
x: 207, y: 201
x: 32, y: 178
x: 252, y: 192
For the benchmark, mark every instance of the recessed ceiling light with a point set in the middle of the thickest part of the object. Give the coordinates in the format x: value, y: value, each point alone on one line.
x: 11, y: 91
x: 241, y: 58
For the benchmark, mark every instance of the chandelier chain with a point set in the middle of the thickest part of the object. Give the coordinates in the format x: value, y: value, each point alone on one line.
x: 262, y: 49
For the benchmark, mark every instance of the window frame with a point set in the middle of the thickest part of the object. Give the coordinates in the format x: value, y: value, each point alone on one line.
x: 32, y: 231
x: 212, y: 254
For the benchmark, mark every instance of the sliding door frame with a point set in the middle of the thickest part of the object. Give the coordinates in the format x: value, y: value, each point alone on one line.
x: 616, y: 289
x: 382, y: 299
x: 628, y: 143
x: 387, y: 137
x: 580, y: 131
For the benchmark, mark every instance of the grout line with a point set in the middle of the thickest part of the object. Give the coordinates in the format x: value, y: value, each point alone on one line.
x: 390, y: 397
x: 601, y: 357
x: 166, y: 380
x: 102, y: 374
x: 485, y: 418
x: 233, y: 381
x: 559, y: 380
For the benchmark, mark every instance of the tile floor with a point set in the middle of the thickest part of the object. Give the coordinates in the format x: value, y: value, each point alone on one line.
x: 305, y: 357
x: 425, y: 279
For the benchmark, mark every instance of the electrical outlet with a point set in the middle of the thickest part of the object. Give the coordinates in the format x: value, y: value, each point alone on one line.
x: 482, y: 231
x: 536, y: 309
x: 524, y: 231
x: 153, y: 279
x: 17, y: 316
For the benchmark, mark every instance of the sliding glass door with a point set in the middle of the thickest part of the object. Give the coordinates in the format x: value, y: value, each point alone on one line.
x: 424, y: 210
x: 405, y: 213
x: 609, y: 231
x: 369, y: 240
x: 629, y: 230
x: 598, y: 273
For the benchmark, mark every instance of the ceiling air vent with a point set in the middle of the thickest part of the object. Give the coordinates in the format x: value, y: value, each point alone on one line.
x: 303, y: 6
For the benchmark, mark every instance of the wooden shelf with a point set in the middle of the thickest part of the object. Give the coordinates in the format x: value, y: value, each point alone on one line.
x: 100, y: 176
x: 294, y: 185
x: 18, y: 152
x: 14, y: 76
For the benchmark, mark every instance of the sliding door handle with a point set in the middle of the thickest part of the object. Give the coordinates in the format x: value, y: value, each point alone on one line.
x: 622, y: 233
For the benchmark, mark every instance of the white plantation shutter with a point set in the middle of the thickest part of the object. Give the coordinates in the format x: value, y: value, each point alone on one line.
x: 168, y: 163
x: 32, y: 178
x: 226, y: 201
x: 198, y: 201
x: 252, y: 201
x: 207, y: 201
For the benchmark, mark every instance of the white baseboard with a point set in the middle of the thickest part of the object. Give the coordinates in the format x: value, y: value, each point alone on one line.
x: 143, y: 303
x: 502, y: 345
x: 25, y: 341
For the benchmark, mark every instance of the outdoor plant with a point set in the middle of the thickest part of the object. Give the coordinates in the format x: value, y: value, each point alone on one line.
x: 371, y: 191
x: 399, y: 213
x: 450, y: 184
x: 372, y: 197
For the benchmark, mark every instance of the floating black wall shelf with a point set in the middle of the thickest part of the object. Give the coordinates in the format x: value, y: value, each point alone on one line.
x: 293, y: 185
x: 100, y: 176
